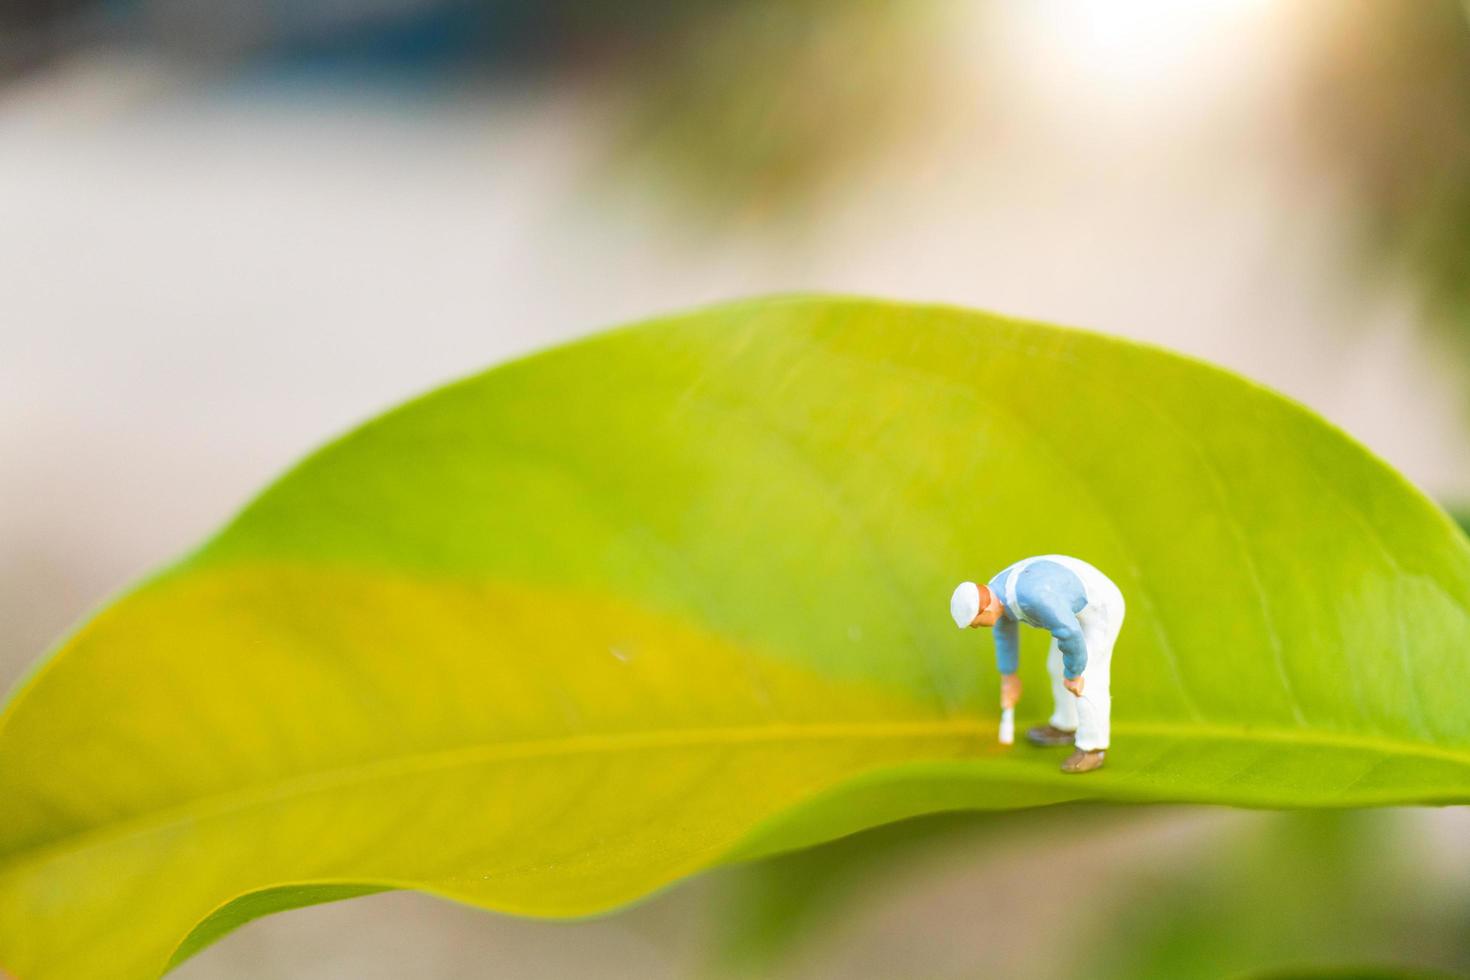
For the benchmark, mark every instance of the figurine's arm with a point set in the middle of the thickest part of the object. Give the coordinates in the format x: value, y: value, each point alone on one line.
x: 1007, y: 645
x: 1060, y: 621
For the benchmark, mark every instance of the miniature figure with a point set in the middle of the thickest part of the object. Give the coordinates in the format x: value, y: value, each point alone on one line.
x: 1083, y: 611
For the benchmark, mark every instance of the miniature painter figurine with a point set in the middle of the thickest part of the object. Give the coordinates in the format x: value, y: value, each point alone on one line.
x: 1083, y: 611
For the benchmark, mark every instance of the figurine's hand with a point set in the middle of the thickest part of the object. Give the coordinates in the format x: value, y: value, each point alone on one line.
x: 1010, y: 690
x: 1073, y: 684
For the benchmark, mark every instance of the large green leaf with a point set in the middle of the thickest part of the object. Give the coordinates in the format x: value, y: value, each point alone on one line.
x: 554, y: 636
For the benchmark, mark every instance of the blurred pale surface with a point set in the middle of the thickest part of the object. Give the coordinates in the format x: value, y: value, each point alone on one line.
x: 199, y: 282
x: 407, y: 935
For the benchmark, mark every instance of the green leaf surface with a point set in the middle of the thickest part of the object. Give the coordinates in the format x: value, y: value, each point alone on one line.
x: 552, y: 637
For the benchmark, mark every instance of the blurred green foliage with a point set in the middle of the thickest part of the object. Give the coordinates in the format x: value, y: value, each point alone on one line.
x: 1388, y: 101
x: 1311, y: 890
x: 755, y: 107
x: 1316, y: 893
x: 773, y: 910
x: 1350, y: 973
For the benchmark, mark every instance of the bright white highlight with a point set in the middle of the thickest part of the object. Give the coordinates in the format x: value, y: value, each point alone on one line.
x: 1136, y: 50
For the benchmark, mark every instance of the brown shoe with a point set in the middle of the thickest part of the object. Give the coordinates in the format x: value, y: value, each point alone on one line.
x: 1046, y: 735
x: 1081, y: 761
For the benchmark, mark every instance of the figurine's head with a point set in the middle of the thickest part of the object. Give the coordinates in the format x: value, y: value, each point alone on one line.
x: 974, y: 606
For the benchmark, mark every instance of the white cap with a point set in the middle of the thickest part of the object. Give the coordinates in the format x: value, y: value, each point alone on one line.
x: 964, y: 605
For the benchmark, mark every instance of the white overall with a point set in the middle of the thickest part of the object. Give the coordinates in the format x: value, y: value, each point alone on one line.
x: 1101, y: 620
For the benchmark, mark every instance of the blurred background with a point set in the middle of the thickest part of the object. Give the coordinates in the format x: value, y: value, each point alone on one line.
x: 232, y: 228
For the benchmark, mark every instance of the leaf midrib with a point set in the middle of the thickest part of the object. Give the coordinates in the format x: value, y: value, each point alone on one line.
x: 304, y: 784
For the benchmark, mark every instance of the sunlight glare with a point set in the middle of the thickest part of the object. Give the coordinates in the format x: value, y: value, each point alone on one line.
x: 1138, y: 43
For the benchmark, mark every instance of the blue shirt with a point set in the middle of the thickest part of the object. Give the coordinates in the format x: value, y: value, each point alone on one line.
x: 1048, y: 596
